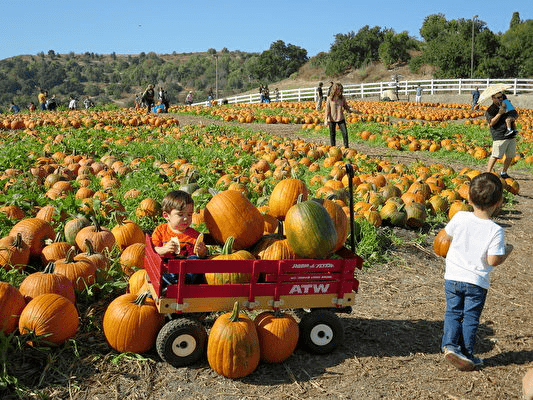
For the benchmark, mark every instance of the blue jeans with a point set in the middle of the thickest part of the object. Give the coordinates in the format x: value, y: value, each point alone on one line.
x: 464, y: 303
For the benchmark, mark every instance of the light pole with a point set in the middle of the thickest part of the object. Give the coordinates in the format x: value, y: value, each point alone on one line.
x: 472, y: 52
x: 216, y: 75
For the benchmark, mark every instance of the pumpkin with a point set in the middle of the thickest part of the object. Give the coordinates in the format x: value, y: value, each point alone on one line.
x: 127, y: 233
x: 230, y: 213
x: 131, y: 323
x: 100, y: 237
x: 11, y: 305
x: 441, y: 243
x: 416, y: 214
x: 458, y: 205
x: 228, y: 254
x: 339, y: 219
x: 34, y: 233
x: 12, y: 212
x: 47, y: 282
x: 132, y: 256
x: 80, y: 272
x: 148, y: 208
x: 233, y: 345
x: 278, y: 335
x: 284, y: 195
x: 138, y: 282
x: 14, y: 252
x: 310, y: 231
x: 438, y: 204
x: 277, y: 250
x: 73, y: 226
x: 100, y: 260
x: 54, y: 251
x: 52, y: 315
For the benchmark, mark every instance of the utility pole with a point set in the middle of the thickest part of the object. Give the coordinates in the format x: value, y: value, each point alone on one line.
x: 472, y: 52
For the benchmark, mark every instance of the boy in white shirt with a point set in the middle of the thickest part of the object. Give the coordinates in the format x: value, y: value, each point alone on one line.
x: 477, y: 245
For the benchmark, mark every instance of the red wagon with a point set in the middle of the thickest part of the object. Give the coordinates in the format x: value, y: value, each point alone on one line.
x: 318, y: 288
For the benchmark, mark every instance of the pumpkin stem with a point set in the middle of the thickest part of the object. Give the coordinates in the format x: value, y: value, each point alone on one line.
x: 280, y: 232
x: 235, y: 313
x: 141, y: 298
x: 70, y: 255
x: 278, y: 313
x: 228, y: 246
x: 49, y: 269
x: 90, y: 247
x: 17, y: 243
x: 96, y: 224
x: 300, y: 198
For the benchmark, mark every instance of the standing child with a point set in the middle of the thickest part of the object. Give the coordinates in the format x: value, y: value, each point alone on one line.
x: 176, y: 237
x: 335, y: 105
x: 477, y: 245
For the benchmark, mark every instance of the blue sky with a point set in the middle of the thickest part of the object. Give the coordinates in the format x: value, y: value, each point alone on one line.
x: 132, y: 26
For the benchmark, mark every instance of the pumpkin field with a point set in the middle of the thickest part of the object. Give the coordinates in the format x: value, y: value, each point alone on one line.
x: 80, y: 189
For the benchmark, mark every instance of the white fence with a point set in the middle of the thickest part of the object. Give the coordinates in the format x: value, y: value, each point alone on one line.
x: 405, y: 89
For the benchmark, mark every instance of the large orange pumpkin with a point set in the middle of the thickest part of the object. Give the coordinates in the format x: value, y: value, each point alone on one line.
x: 14, y: 252
x: 100, y: 237
x: 52, y: 315
x: 230, y: 213
x: 233, y: 345
x: 278, y: 335
x: 131, y: 323
x: 284, y: 195
x: 441, y: 243
x: 127, y: 233
x: 47, y: 282
x: 80, y: 272
x: 34, y: 233
x: 11, y: 305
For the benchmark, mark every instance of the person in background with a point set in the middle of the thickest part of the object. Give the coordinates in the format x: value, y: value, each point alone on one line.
x: 189, y: 99
x: 335, y: 105
x: 73, y: 103
x: 41, y: 97
x: 477, y: 245
x: 501, y: 145
x: 14, y: 108
x: 31, y: 107
x: 418, y: 96
x: 88, y: 103
x: 277, y: 94
x: 51, y: 103
x: 475, y: 98
x: 163, y: 98
x: 319, y: 96
x: 148, y: 97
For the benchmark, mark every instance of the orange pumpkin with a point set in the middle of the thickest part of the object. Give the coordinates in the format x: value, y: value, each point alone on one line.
x: 228, y: 254
x: 441, y: 243
x: 233, y: 345
x: 278, y: 335
x: 11, y: 305
x: 284, y: 195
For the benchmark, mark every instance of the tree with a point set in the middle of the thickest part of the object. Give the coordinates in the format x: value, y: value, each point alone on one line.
x: 394, y: 48
x: 280, y: 61
x: 515, y: 20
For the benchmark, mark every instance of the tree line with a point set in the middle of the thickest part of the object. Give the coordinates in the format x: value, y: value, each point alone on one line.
x: 448, y: 46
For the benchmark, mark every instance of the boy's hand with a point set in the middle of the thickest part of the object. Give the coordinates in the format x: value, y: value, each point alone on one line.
x: 173, y: 245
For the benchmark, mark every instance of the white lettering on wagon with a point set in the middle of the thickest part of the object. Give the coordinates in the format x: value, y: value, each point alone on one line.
x: 309, y: 288
x: 324, y: 265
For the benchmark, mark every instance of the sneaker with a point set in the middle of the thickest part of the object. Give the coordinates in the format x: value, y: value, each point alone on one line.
x: 504, y: 175
x: 458, y: 360
x: 478, y: 362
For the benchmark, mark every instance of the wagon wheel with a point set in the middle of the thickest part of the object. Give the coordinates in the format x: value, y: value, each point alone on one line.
x: 181, y: 342
x: 321, y: 331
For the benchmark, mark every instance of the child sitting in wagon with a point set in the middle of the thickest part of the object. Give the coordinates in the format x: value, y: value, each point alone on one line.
x: 176, y: 238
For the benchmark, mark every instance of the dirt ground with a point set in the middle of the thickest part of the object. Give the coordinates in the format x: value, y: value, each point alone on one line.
x: 392, y: 336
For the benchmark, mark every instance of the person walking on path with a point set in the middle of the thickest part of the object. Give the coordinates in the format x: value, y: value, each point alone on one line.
x: 502, y: 145
x: 418, y: 97
x: 335, y: 105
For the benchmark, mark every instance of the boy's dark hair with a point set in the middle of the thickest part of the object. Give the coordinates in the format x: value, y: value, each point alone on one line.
x: 486, y: 190
x: 176, y: 200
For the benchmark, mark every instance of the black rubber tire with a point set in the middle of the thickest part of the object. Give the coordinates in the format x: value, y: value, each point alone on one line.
x: 321, y: 331
x: 181, y: 342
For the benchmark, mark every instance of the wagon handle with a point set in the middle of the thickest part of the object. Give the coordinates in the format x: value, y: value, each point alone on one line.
x: 350, y: 172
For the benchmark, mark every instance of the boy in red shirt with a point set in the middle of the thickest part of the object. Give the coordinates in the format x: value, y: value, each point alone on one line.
x: 176, y: 238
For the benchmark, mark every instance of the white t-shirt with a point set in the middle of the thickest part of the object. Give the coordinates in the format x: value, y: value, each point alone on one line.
x: 473, y: 239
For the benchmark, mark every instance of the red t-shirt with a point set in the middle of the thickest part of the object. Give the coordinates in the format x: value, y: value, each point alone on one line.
x: 162, y: 234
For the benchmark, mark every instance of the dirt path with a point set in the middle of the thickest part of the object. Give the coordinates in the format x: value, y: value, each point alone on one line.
x: 391, y: 344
